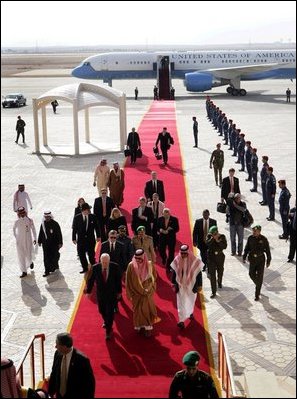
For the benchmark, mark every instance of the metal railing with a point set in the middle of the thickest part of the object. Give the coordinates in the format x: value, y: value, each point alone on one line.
x: 30, y: 349
x: 225, y: 369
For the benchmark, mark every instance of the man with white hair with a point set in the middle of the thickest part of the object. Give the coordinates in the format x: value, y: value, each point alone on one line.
x: 50, y: 237
x: 25, y: 235
x: 186, y: 280
x: 109, y: 288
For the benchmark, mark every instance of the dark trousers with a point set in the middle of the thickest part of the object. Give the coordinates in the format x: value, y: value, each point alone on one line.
x: 196, y: 138
x: 51, y: 256
x: 215, y: 267
x: 106, y: 309
x: 255, y: 180
x: 133, y: 154
x: 284, y: 215
x: 103, y: 228
x: 271, y: 206
x: 164, y: 242
x: 264, y: 193
x: 256, y: 272
x: 292, y: 252
x: 155, y: 234
x: 218, y: 171
x: 164, y: 154
x: 249, y: 170
x: 82, y: 250
x: 18, y: 135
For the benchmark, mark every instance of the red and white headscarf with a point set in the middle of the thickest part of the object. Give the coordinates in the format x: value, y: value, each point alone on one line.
x: 193, y: 265
x: 9, y: 387
x: 142, y: 270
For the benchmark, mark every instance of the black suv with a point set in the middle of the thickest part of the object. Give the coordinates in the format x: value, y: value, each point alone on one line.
x: 14, y: 100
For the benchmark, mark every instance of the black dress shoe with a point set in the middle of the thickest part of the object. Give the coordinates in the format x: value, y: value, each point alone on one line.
x: 240, y: 170
x: 270, y: 219
x: 32, y: 265
x: 264, y: 203
x: 233, y: 253
x: 219, y: 285
x: 181, y: 325
x: 191, y: 316
x: 290, y: 260
x: 213, y: 296
x: 83, y: 271
x: 23, y: 275
x: 257, y: 298
x: 45, y: 275
x: 252, y: 190
x: 282, y: 237
x: 248, y: 179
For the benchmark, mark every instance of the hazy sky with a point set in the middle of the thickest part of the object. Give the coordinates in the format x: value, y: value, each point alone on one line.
x: 75, y: 23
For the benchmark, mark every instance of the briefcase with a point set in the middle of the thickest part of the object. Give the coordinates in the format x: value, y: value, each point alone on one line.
x: 127, y: 152
x: 221, y: 207
x: 139, y: 153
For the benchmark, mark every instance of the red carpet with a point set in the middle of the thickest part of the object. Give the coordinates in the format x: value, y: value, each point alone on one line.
x: 130, y: 365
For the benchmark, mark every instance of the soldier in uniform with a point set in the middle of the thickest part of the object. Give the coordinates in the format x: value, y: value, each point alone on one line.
x: 264, y: 175
x: 270, y: 193
x: 255, y: 248
x: 217, y: 160
x: 195, y: 131
x: 284, y: 207
x: 248, y: 157
x: 192, y: 382
x: 254, y: 168
x: 216, y: 258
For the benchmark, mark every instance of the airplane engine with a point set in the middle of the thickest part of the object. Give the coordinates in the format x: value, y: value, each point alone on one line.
x: 198, y: 81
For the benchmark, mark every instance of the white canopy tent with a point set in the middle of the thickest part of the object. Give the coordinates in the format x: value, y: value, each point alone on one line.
x: 82, y: 96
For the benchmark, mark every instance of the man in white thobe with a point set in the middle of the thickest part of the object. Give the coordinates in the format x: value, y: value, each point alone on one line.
x: 25, y: 235
x: 21, y: 199
x: 186, y: 280
x: 101, y: 176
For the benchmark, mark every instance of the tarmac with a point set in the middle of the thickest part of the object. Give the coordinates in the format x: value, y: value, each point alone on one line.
x: 260, y: 335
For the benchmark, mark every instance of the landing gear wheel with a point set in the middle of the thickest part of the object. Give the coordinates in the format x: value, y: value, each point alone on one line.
x: 242, y: 92
x: 229, y: 89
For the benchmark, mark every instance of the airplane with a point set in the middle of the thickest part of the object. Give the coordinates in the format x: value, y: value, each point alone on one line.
x: 200, y: 70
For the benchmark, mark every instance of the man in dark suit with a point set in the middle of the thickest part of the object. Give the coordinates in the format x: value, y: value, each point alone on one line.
x: 230, y: 184
x: 102, y: 209
x: 72, y: 375
x: 133, y: 143
x: 154, y: 186
x: 115, y: 250
x: 109, y: 289
x: 165, y: 140
x: 83, y: 229
x: 200, y: 232
x: 168, y: 226
x: 142, y: 216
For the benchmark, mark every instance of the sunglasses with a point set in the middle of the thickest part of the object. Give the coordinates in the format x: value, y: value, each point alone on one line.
x: 113, y: 237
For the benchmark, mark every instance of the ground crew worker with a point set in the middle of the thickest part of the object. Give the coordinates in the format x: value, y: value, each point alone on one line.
x: 192, y: 382
x: 255, y: 248
x: 216, y: 258
x: 217, y: 161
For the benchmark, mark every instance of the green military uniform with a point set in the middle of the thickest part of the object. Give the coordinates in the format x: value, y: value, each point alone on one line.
x: 217, y: 160
x: 201, y: 385
x: 216, y: 260
x: 255, y: 249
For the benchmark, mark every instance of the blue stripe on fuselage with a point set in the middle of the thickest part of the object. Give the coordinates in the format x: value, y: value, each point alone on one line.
x: 87, y: 72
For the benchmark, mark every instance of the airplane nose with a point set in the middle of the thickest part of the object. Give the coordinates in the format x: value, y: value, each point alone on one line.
x: 78, y: 72
x: 84, y: 71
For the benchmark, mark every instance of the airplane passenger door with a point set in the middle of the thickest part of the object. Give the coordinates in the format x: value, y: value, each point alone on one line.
x: 104, y: 64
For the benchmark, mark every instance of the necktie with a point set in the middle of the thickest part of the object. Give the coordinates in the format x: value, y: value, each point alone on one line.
x: 112, y: 248
x: 104, y: 206
x: 155, y: 186
x: 104, y: 274
x: 86, y: 222
x: 63, y: 382
x: 205, y: 230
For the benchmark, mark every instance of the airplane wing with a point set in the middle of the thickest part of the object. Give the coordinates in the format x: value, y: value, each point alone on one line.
x: 233, y: 72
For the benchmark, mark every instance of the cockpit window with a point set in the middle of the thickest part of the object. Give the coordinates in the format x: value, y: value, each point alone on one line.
x: 86, y: 63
